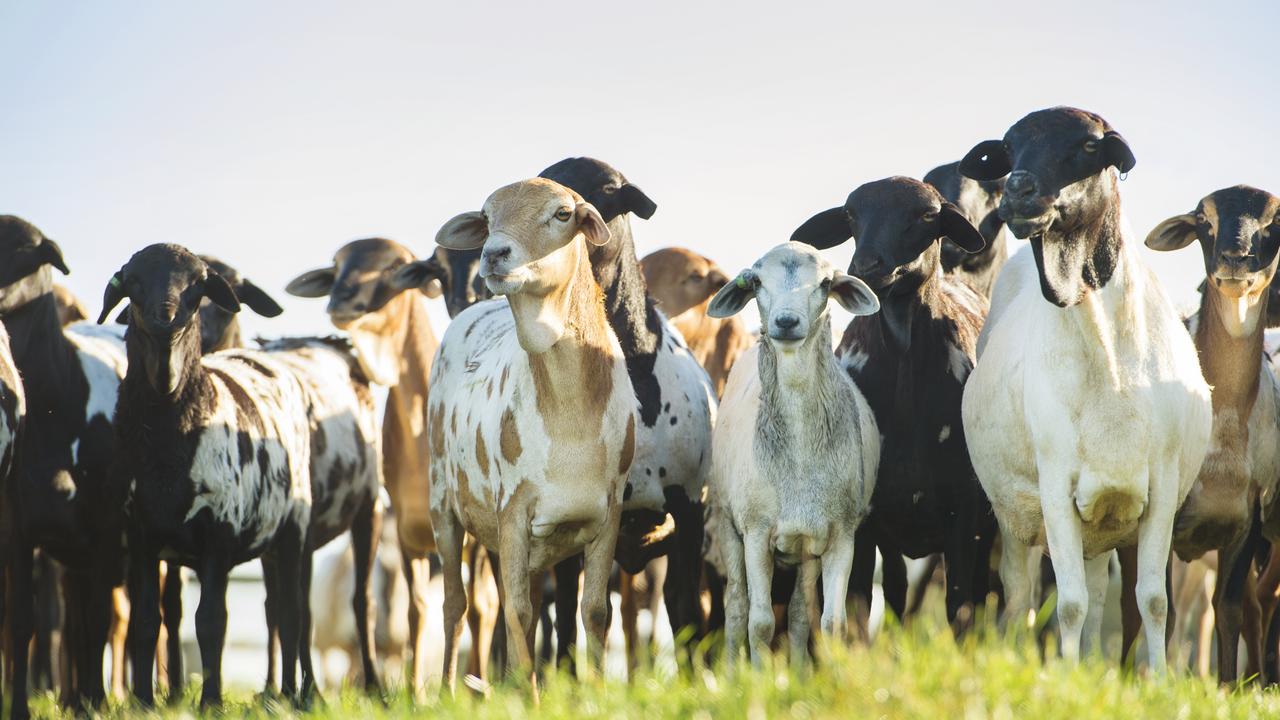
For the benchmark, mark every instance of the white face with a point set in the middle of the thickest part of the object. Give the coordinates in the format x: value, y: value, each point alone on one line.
x: 791, y: 285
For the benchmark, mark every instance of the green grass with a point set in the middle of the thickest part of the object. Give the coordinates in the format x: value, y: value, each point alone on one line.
x: 911, y: 673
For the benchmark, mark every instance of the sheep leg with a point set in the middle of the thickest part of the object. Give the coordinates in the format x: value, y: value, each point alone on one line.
x: 837, y: 565
x: 1066, y: 550
x: 449, y: 537
x: 735, y: 593
x: 481, y: 611
x: 308, y: 686
x: 366, y: 529
x: 629, y: 610
x: 684, y: 570
x: 144, y: 619
x: 1268, y: 586
x: 21, y: 628
x: 862, y: 577
x: 98, y: 587
x: 1130, y: 618
x: 1154, y: 540
x: 171, y: 600
x: 271, y: 609
x: 415, y: 576
x: 514, y: 547
x: 1228, y: 604
x: 799, y: 629
x: 758, y: 554
x: 567, y: 572
x: 118, y: 635
x: 211, y: 628
x: 1097, y: 572
x: 1015, y: 576
x: 1252, y: 628
x: 597, y: 566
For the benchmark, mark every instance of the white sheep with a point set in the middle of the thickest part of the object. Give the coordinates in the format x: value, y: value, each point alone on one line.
x: 795, y: 451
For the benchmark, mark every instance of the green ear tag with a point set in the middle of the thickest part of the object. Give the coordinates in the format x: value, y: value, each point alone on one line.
x: 741, y: 282
x: 115, y: 281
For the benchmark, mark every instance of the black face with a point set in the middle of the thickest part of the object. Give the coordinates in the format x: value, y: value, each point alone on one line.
x: 602, y: 186
x: 979, y: 200
x: 459, y: 274
x: 1060, y: 195
x: 24, y: 251
x: 897, y: 223
x: 1239, y: 233
x: 165, y: 285
x: 219, y: 328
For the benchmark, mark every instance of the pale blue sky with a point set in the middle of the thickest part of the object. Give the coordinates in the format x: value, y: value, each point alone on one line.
x: 271, y: 133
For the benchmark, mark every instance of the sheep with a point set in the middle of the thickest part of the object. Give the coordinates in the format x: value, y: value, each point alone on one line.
x: 532, y: 415
x: 795, y: 449
x: 1087, y: 413
x: 59, y: 498
x: 214, y: 453
x: 346, y: 481
x: 662, y: 513
x: 458, y: 272
x: 1239, y: 233
x: 979, y: 201
x: 683, y: 282
x: 395, y: 345
x: 911, y: 361
x: 70, y: 309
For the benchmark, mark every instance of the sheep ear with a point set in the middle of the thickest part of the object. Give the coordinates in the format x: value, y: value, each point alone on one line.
x: 1117, y: 151
x: 257, y: 299
x: 424, y: 275
x: 312, y: 284
x: 635, y: 201
x: 467, y: 231
x: 1173, y: 234
x: 957, y: 228
x: 220, y: 293
x: 123, y: 317
x: 733, y: 296
x: 825, y: 230
x: 52, y: 254
x: 854, y: 295
x: 112, y: 296
x: 592, y: 225
x: 988, y: 160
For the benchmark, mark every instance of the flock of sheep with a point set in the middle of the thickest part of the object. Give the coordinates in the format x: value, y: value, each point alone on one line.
x: 605, y: 412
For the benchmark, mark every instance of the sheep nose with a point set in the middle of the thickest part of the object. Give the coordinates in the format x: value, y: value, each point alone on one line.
x: 497, y: 255
x: 1021, y: 184
x: 866, y: 266
x: 786, y: 322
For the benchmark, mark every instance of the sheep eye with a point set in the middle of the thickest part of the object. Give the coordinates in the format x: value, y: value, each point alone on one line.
x: 563, y: 214
x: 1200, y: 218
x: 929, y: 216
x: 1091, y: 146
x: 697, y: 277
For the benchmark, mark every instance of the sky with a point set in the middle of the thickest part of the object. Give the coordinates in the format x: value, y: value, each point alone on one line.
x: 269, y: 134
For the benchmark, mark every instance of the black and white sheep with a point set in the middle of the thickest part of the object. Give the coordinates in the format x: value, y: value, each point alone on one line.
x: 59, y: 500
x: 979, y: 200
x: 214, y: 453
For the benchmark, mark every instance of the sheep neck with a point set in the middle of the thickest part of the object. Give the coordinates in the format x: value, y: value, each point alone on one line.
x: 1110, y: 318
x: 626, y: 296
x: 900, y: 301
x: 46, y: 360
x: 796, y: 386
x: 1231, y: 361
x: 566, y: 336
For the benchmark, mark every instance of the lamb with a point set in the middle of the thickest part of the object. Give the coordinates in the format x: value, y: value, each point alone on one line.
x: 1239, y: 233
x: 911, y: 361
x: 59, y: 496
x: 795, y: 449
x: 979, y: 201
x: 1087, y: 414
x: 214, y: 455
x: 662, y: 513
x: 532, y: 415
x: 683, y: 282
